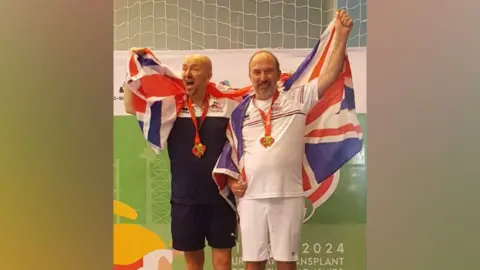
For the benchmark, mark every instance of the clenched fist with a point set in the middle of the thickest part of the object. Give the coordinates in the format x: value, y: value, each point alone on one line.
x: 343, y: 22
x: 138, y: 51
x: 238, y: 189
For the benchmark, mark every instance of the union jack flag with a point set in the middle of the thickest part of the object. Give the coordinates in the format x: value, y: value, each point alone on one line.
x: 332, y: 135
x: 159, y: 95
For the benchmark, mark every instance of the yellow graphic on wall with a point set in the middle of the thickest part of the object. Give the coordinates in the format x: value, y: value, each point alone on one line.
x: 137, y: 248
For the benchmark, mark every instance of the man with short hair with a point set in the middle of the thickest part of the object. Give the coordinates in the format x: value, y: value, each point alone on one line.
x: 267, y: 134
x: 195, y: 141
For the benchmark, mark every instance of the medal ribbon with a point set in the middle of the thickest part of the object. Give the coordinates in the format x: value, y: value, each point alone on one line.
x: 267, y: 117
x: 193, y: 116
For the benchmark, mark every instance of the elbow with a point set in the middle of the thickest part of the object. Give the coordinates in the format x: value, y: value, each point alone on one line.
x: 130, y: 110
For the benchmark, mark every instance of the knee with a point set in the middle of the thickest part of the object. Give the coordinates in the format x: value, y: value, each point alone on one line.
x: 194, y: 265
x: 222, y: 260
x: 221, y: 264
x: 286, y: 265
x: 194, y: 260
x: 256, y: 265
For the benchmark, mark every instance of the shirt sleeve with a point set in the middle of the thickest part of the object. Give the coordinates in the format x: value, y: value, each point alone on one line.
x: 306, y: 95
x: 230, y: 106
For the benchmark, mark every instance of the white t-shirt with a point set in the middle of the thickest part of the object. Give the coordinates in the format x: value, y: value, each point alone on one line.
x: 276, y: 171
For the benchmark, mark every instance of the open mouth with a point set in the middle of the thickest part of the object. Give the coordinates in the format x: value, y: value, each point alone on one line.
x: 188, y: 82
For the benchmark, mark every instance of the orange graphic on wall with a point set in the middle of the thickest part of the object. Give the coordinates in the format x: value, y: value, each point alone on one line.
x: 137, y: 248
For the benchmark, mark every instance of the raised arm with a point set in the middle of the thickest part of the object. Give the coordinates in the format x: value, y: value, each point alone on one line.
x: 343, y: 25
x: 128, y: 100
x: 127, y: 92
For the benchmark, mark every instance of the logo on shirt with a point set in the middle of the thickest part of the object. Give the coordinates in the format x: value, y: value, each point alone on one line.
x: 276, y: 107
x: 185, y: 110
x: 216, y: 107
x: 246, y: 117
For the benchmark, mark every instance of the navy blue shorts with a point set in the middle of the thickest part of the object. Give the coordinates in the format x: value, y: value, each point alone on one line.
x: 193, y: 224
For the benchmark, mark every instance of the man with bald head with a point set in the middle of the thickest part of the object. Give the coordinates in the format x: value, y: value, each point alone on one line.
x: 270, y: 191
x: 198, y: 211
x: 196, y: 73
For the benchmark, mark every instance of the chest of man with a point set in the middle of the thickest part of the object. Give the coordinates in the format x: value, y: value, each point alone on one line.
x: 286, y: 114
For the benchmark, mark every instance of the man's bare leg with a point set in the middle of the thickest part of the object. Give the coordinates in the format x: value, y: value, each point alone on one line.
x: 194, y: 259
x: 255, y: 265
x: 222, y: 258
x: 286, y: 265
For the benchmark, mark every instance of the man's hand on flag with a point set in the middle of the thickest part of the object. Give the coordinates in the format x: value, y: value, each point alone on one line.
x: 236, y: 187
x: 343, y: 22
x: 138, y: 50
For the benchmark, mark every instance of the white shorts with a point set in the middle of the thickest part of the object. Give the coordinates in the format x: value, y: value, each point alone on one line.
x: 271, y: 228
